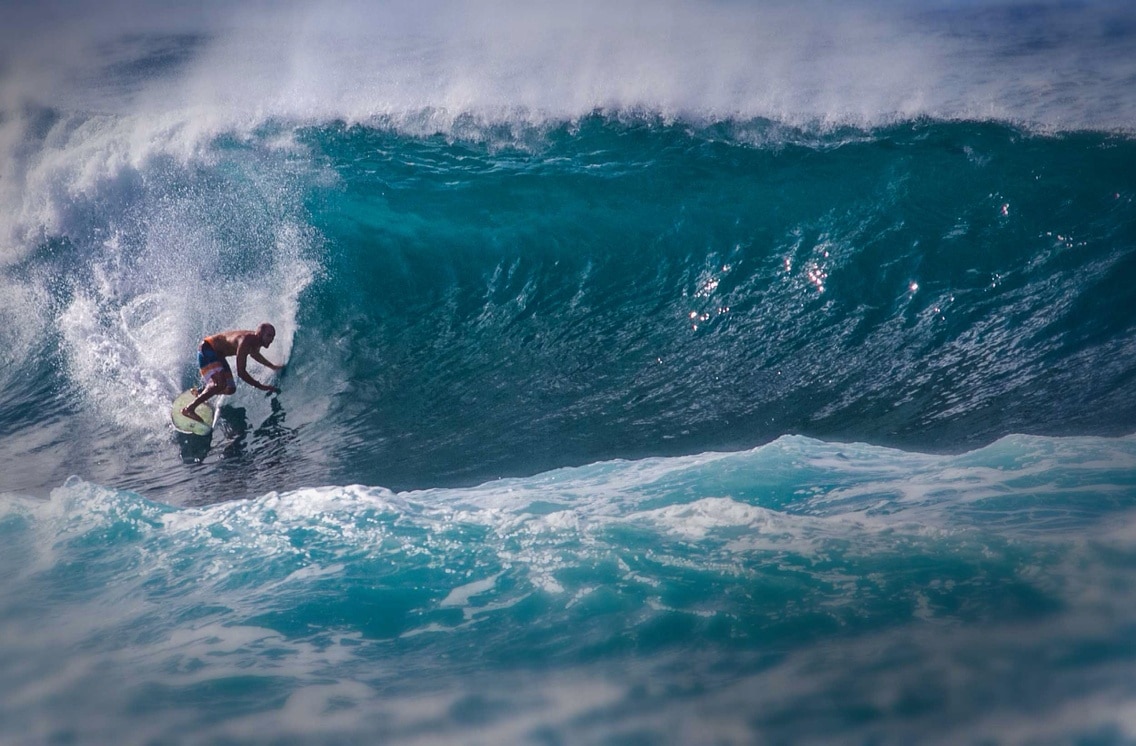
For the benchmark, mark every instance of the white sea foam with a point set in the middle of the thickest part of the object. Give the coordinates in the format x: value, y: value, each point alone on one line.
x: 190, y: 73
x: 792, y: 610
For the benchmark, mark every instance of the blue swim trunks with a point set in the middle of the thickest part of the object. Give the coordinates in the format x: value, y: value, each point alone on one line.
x: 212, y: 366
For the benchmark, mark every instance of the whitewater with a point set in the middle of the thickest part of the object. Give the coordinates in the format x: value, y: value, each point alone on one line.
x: 673, y: 372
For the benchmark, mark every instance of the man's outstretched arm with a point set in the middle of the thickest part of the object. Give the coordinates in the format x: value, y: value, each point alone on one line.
x: 242, y: 370
x: 255, y: 355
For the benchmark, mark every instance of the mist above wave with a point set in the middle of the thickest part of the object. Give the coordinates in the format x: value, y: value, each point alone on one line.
x: 222, y: 65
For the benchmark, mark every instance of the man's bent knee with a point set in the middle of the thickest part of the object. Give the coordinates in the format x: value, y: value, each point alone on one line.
x: 226, y: 386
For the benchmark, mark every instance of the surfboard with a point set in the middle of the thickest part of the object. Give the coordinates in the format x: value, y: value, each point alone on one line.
x: 187, y: 425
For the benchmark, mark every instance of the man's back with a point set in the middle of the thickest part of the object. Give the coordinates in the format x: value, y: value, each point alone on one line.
x: 226, y: 343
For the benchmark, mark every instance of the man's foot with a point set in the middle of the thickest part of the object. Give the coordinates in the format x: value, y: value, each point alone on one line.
x: 191, y: 415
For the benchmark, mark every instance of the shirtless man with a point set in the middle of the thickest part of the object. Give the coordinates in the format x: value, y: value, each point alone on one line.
x: 217, y: 376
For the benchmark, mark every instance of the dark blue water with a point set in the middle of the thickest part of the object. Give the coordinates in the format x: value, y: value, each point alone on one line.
x: 644, y: 383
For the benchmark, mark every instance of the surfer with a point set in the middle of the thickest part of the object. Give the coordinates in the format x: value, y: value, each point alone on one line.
x: 217, y: 376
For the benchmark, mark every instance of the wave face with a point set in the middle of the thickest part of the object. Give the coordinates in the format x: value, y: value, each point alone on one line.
x: 654, y: 374
x: 454, y: 311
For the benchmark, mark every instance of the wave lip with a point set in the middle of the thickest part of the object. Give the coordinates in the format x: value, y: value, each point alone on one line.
x: 1053, y: 66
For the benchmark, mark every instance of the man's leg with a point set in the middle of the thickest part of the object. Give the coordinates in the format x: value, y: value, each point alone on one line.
x: 210, y: 390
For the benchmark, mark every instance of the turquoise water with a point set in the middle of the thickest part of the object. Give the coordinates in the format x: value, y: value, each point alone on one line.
x: 798, y: 591
x: 645, y: 383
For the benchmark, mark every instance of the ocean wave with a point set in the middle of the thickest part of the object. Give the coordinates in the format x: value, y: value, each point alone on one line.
x: 454, y: 310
